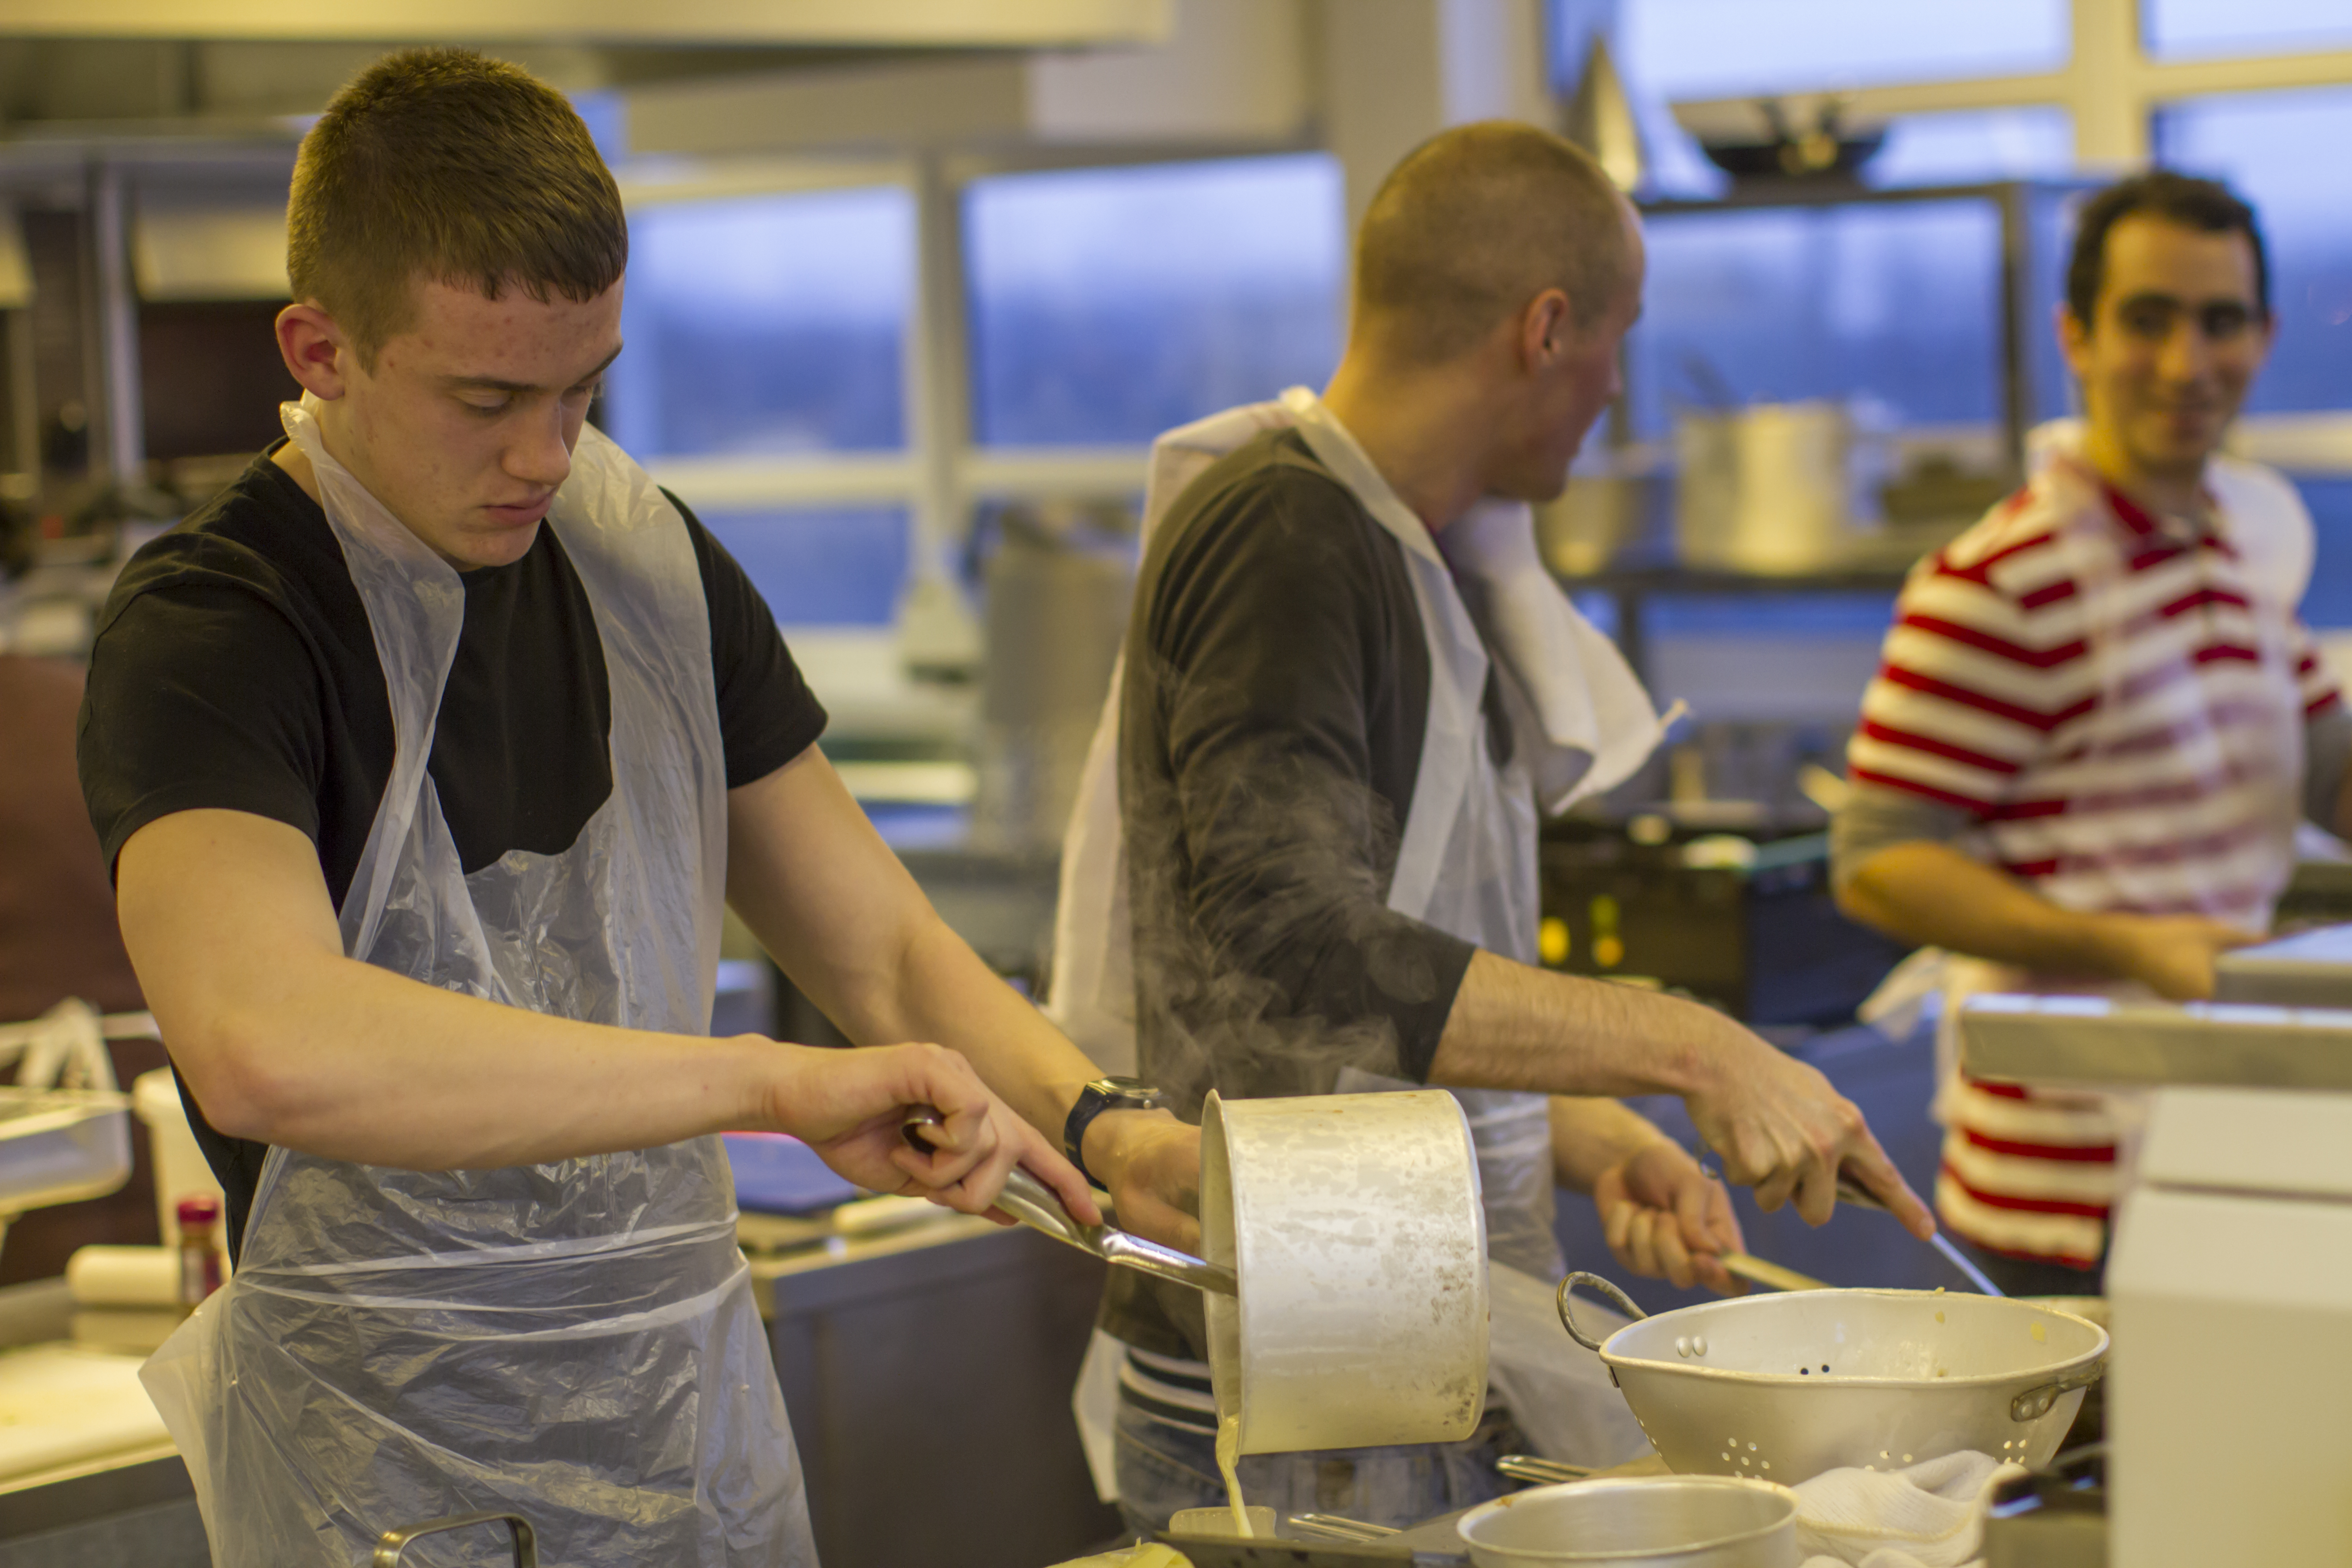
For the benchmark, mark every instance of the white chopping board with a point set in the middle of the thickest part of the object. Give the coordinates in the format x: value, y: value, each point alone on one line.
x: 64, y: 1404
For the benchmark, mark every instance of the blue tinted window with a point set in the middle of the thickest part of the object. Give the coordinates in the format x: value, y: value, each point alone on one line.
x: 1108, y: 305
x: 1900, y: 304
x: 2282, y: 150
x: 838, y: 567
x: 1715, y: 48
x: 2032, y: 143
x: 771, y: 324
x: 2244, y: 26
x: 2328, y: 602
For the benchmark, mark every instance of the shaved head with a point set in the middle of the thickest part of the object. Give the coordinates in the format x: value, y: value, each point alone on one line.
x: 1474, y: 224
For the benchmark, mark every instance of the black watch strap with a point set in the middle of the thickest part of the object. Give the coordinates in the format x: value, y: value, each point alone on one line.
x: 1104, y: 1094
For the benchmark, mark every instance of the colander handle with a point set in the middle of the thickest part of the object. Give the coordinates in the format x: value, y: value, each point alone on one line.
x: 1567, y: 1287
x: 2035, y: 1403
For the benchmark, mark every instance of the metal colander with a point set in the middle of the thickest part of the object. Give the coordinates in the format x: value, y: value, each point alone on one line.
x: 1783, y: 1387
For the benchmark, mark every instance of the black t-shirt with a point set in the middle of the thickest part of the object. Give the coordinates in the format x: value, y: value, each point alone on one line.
x: 1271, y: 723
x: 234, y: 668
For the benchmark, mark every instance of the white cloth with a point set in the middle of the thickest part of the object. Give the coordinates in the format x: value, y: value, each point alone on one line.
x: 1929, y: 1515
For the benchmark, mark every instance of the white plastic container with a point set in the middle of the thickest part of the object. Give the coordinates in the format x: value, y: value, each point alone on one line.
x: 181, y: 1169
x: 1353, y: 1225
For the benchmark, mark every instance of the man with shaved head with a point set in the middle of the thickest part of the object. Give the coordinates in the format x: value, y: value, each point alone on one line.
x: 1347, y: 688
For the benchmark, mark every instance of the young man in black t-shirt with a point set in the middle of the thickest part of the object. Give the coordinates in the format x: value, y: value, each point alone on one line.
x: 456, y: 249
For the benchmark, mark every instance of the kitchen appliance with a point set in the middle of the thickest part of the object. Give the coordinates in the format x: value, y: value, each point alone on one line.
x: 1648, y: 1521
x: 2230, y: 1271
x: 1353, y: 1222
x: 1783, y: 1387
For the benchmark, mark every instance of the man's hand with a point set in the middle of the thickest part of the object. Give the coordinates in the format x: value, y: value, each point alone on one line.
x: 1152, y: 1164
x: 2172, y: 955
x: 1664, y: 1215
x: 1781, y: 1128
x: 851, y: 1107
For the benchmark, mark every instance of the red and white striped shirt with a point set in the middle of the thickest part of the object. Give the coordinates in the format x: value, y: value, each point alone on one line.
x: 2118, y: 711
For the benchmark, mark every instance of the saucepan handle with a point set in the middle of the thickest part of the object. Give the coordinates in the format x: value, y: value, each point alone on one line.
x: 394, y: 1542
x: 1568, y: 1287
x: 2035, y: 1403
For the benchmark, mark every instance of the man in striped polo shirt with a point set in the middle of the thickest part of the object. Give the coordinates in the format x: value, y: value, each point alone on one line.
x: 2098, y: 719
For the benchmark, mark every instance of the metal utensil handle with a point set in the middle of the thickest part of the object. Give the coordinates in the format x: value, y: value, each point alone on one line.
x: 1567, y: 1287
x: 1543, y: 1472
x: 2035, y: 1403
x: 1337, y: 1529
x: 1764, y: 1272
x: 394, y: 1542
x: 1033, y: 1203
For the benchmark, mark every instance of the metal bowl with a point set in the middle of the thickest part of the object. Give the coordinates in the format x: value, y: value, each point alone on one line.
x: 1652, y: 1521
x: 1783, y: 1387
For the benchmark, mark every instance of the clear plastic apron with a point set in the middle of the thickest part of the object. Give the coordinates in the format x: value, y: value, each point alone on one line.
x: 576, y: 1343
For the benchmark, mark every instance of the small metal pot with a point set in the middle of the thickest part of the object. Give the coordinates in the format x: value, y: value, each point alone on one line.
x: 1647, y: 1521
x: 1353, y: 1225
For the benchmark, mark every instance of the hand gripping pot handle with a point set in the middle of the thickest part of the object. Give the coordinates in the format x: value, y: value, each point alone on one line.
x: 1567, y: 1321
x: 521, y: 1536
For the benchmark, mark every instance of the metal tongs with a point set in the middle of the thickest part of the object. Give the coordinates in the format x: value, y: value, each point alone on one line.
x: 1033, y: 1203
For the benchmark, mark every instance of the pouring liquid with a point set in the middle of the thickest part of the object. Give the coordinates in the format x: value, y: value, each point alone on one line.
x: 1229, y: 1452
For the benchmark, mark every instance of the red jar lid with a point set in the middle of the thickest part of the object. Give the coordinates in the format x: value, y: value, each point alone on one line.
x: 200, y: 1210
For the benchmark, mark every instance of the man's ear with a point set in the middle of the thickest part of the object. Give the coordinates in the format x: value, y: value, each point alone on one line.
x: 316, y: 351
x: 1547, y: 329
x: 2073, y: 337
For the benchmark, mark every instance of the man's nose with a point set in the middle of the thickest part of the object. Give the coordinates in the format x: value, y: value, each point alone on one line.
x: 2185, y: 354
x: 539, y: 455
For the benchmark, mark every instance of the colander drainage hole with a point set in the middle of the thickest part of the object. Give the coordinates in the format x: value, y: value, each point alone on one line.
x: 1825, y: 1366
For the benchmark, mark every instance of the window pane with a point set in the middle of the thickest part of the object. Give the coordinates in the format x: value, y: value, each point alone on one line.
x: 1715, y: 48
x: 1898, y: 304
x: 840, y: 567
x: 771, y: 324
x: 1108, y: 305
x: 2245, y: 27
x: 2275, y: 148
x: 1978, y: 144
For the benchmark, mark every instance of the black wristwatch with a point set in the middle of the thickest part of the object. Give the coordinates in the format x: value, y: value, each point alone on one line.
x: 1104, y: 1094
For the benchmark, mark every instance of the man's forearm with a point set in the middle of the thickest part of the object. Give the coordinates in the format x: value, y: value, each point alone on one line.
x: 1936, y: 896
x: 1515, y: 1027
x: 1588, y: 1136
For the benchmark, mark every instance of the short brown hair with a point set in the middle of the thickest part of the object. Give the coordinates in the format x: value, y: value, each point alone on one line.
x: 2207, y: 206
x: 1478, y: 220
x: 446, y: 165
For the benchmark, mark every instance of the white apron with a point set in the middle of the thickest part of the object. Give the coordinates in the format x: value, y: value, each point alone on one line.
x: 1466, y: 861
x: 575, y: 1343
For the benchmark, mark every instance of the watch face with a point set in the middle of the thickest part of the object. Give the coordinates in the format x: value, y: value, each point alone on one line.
x: 1126, y: 1090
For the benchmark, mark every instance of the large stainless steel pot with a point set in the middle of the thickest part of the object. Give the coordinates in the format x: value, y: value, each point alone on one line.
x: 1647, y: 1521
x: 1353, y: 1226
x: 1785, y: 1387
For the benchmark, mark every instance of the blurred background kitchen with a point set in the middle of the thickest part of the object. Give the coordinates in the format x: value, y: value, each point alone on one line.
x: 911, y: 290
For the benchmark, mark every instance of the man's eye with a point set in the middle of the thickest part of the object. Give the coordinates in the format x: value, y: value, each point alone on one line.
x: 2226, y: 321
x: 484, y: 406
x: 2152, y: 322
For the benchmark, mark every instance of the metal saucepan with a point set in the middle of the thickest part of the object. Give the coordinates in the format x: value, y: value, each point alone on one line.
x: 1785, y: 1387
x: 1645, y: 1522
